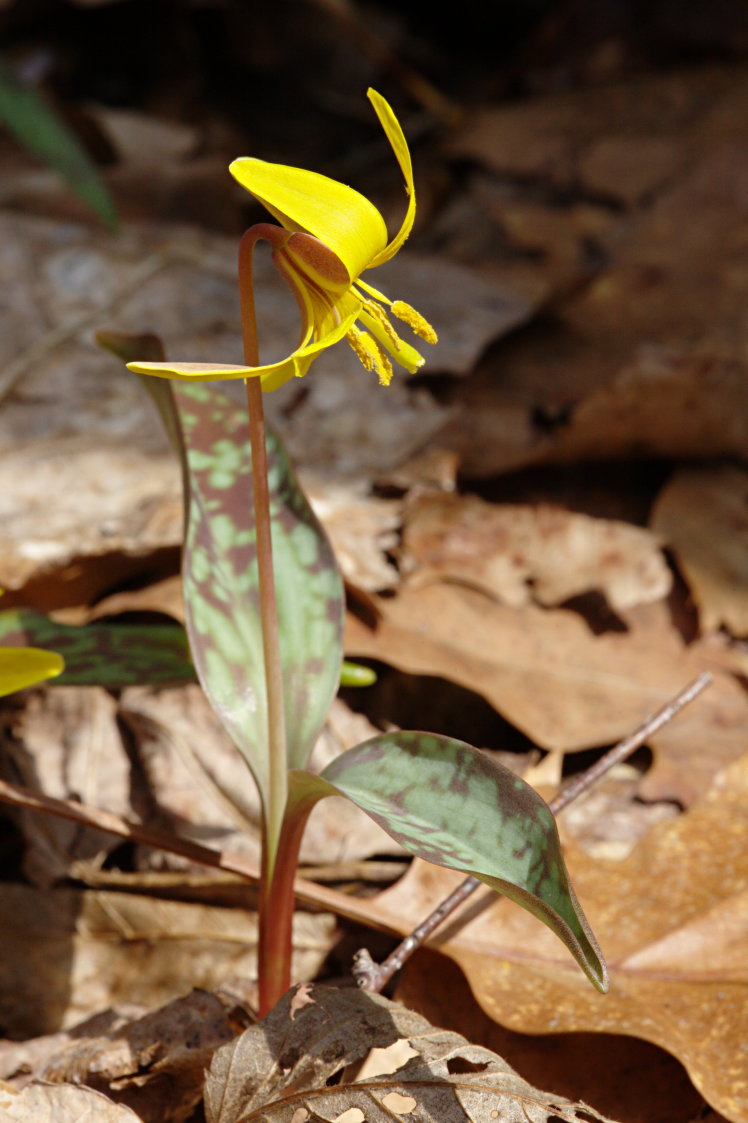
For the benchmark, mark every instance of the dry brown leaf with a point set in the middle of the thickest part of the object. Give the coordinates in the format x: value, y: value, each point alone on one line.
x: 361, y: 527
x: 523, y: 553
x: 66, y: 743
x: 285, y: 1068
x: 154, y: 1064
x: 163, y: 596
x: 702, y: 514
x: 61, y: 1103
x: 649, y: 357
x: 625, y: 1077
x: 204, y: 790
x: 624, y: 143
x: 142, y: 138
x: 68, y: 953
x: 20, y: 1061
x: 566, y: 688
x: 671, y: 921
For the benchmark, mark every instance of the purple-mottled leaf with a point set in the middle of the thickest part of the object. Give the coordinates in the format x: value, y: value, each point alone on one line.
x: 447, y: 802
x: 209, y: 432
x: 105, y: 653
x: 115, y: 654
x: 220, y: 583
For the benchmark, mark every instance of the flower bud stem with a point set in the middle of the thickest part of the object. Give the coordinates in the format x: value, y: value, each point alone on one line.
x: 275, y: 920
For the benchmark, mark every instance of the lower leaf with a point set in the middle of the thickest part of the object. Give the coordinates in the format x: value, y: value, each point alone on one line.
x: 447, y: 802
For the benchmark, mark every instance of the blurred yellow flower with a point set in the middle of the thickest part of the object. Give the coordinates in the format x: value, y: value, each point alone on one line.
x: 25, y: 666
x: 329, y: 234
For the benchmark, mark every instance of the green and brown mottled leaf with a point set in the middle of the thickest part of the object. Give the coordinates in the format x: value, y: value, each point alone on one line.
x: 447, y: 802
x: 113, y: 655
x: 220, y: 583
x: 209, y: 432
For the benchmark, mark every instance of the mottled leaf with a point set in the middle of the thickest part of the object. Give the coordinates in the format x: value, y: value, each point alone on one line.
x: 24, y: 666
x: 447, y: 802
x: 220, y: 583
x: 105, y: 653
x: 38, y: 128
x: 209, y: 433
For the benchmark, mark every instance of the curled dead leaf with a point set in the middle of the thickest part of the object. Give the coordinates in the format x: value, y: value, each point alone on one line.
x: 288, y: 1071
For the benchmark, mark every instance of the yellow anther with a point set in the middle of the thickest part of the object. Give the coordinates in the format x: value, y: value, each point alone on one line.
x: 370, y: 354
x: 414, y: 320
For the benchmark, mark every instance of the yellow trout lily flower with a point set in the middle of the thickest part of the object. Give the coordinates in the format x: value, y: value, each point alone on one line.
x: 25, y: 666
x: 328, y: 235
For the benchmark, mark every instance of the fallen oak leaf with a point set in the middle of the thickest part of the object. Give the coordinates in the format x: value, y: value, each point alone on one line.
x: 519, y: 553
x: 564, y: 687
x: 671, y: 918
x: 702, y: 513
x: 61, y: 1103
x: 285, y: 1070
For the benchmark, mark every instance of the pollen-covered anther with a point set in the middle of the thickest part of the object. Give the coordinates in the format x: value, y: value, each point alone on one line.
x: 370, y: 354
x: 414, y: 320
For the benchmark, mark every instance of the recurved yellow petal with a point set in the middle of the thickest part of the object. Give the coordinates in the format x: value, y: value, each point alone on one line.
x: 24, y: 666
x: 273, y: 375
x: 396, y: 137
x: 343, y: 219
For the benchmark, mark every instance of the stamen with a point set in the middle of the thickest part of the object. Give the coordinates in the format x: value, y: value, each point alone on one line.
x: 370, y: 354
x: 414, y: 320
x: 378, y: 313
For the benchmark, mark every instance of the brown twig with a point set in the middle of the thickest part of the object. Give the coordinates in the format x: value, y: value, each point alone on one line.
x: 310, y: 893
x: 372, y: 976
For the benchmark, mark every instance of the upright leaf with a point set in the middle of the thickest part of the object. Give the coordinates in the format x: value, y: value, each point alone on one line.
x: 447, y: 802
x: 220, y: 583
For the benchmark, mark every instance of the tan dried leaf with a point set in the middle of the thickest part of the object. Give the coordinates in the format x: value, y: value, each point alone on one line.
x: 563, y: 686
x: 521, y: 553
x: 66, y: 743
x: 68, y: 953
x: 671, y: 920
x: 154, y: 1064
x: 284, y: 1067
x: 702, y: 514
x: 61, y: 1103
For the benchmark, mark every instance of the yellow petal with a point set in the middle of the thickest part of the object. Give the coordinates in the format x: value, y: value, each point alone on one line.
x: 396, y: 137
x: 24, y: 666
x: 344, y: 220
x: 273, y: 375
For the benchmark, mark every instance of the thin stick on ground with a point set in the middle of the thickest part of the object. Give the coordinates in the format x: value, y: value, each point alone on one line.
x: 373, y: 976
x: 319, y: 896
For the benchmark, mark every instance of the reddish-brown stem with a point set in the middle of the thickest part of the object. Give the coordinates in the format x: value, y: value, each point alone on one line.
x: 372, y: 976
x: 277, y: 911
x: 274, y: 967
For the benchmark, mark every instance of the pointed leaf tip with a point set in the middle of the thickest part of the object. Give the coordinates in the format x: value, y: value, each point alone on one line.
x: 447, y: 802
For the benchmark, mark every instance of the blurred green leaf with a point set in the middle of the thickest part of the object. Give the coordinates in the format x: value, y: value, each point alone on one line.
x: 105, y: 653
x: 39, y: 129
